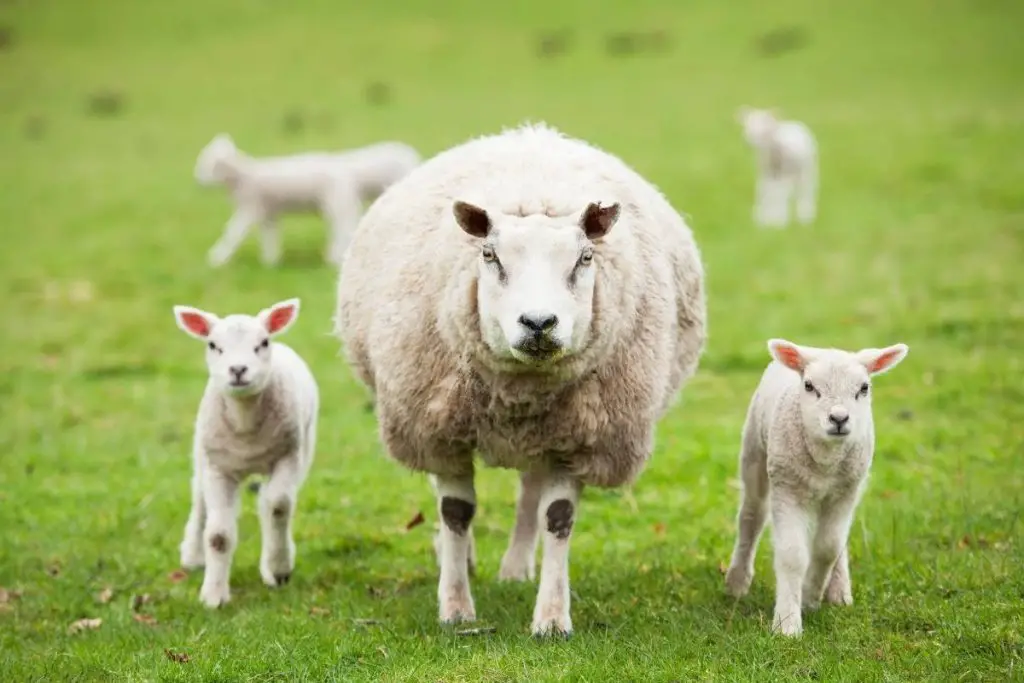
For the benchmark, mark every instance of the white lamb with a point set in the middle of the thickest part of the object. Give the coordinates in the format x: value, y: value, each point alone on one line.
x: 807, y: 447
x: 333, y: 184
x: 258, y: 415
x: 787, y: 167
x: 530, y: 298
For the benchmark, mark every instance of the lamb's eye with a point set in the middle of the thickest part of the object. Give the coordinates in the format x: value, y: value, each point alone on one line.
x: 212, y: 346
x: 488, y: 254
x: 263, y: 344
x: 864, y: 388
x: 808, y: 387
x: 587, y: 257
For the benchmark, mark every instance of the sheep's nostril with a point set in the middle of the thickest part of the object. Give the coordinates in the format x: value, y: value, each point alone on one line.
x: 839, y: 420
x: 238, y: 370
x: 538, y: 322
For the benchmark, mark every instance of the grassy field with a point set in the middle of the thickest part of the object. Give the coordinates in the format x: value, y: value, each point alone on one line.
x: 919, y: 110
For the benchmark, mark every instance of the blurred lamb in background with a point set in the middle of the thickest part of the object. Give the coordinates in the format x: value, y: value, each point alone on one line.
x: 787, y: 166
x: 333, y: 184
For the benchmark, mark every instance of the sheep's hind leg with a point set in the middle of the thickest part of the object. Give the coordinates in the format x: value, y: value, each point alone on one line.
x: 456, y: 504
x: 191, y: 550
x: 234, y: 232
x: 270, y: 242
x: 518, y: 563
x: 278, y: 499
x: 752, y: 515
x: 559, y: 499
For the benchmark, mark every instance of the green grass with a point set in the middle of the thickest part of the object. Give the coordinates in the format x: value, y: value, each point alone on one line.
x: 919, y: 111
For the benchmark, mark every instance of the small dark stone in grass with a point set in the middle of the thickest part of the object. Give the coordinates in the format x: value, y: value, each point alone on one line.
x: 106, y: 103
x: 30, y: 468
x: 781, y: 40
x: 553, y: 43
x: 293, y: 121
x: 6, y: 38
x: 378, y: 93
x: 905, y: 414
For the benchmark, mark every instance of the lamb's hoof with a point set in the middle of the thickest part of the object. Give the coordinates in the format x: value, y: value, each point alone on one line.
x: 838, y: 596
x: 515, y: 569
x: 191, y: 559
x: 216, y: 259
x: 791, y: 626
x: 458, y: 616
x: 456, y: 607
x: 553, y: 627
x: 737, y: 581
x: 214, y: 596
x: 276, y: 576
x: 811, y: 605
x: 282, y: 579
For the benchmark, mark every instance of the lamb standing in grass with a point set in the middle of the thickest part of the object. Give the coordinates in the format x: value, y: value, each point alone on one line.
x: 530, y: 297
x: 258, y: 415
x: 787, y: 167
x: 807, y: 447
x: 334, y: 184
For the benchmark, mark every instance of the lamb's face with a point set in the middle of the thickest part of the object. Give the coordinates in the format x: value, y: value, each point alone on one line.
x: 536, y: 280
x: 835, y: 392
x: 209, y: 168
x: 238, y: 348
x: 758, y: 125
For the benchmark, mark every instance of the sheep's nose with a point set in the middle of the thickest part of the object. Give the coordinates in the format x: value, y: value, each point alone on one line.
x: 839, y: 417
x: 538, y: 322
x: 238, y: 370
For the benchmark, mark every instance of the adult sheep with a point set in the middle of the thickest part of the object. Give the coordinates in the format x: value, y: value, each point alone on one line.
x: 530, y: 297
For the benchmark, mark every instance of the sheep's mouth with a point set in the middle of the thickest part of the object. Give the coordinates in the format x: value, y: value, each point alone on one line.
x: 239, y: 384
x: 538, y: 349
x: 839, y: 432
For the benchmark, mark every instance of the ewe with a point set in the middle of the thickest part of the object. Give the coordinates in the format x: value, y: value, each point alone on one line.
x: 334, y: 184
x: 807, y: 446
x: 530, y: 297
x: 787, y: 167
x: 258, y: 415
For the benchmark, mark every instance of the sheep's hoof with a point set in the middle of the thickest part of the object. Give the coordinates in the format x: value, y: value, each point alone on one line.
x: 737, y: 581
x: 515, y: 569
x: 555, y: 628
x: 282, y: 579
x: 457, y: 608
x: 214, y: 596
x: 791, y: 626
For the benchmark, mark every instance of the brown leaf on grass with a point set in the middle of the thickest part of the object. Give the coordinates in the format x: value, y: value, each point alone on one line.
x: 722, y: 568
x: 659, y: 529
x: 179, y: 657
x: 147, y: 619
x: 7, y: 596
x: 53, y: 569
x: 315, y: 611
x: 83, y: 625
x: 104, y: 596
x: 139, y: 600
x: 964, y: 542
x: 177, y: 576
x: 415, y: 521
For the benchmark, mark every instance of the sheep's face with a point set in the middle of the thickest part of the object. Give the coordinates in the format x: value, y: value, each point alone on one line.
x: 758, y: 125
x: 238, y: 348
x: 835, y: 391
x: 536, y: 279
x: 209, y: 168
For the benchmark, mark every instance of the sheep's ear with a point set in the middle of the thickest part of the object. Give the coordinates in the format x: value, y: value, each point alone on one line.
x: 791, y: 355
x: 279, y: 317
x: 597, y: 220
x: 878, y: 361
x: 472, y: 218
x: 195, y: 322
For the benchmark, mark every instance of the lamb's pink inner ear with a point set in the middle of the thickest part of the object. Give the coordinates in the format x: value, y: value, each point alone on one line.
x: 883, y: 360
x: 279, y: 318
x: 195, y: 323
x: 789, y: 357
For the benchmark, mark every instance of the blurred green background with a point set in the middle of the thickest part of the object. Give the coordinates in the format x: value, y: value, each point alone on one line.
x: 104, y: 105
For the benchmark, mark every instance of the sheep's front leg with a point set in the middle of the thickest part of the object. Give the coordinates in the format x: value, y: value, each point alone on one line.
x: 792, y: 556
x: 234, y: 232
x: 220, y: 537
x: 518, y: 562
x: 828, y: 549
x: 839, y: 591
x: 559, y: 499
x: 456, y: 504
x: 278, y: 498
x: 191, y: 549
x: 342, y: 209
x: 270, y: 242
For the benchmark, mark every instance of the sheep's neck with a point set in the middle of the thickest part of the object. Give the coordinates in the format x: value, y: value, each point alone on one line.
x: 244, y: 413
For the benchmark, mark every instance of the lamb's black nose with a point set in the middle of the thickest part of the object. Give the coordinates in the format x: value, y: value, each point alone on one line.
x: 838, y: 420
x: 238, y: 371
x: 538, y: 322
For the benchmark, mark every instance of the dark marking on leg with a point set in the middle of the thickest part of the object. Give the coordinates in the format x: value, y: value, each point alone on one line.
x: 219, y: 542
x: 280, y: 511
x: 560, y: 519
x: 457, y: 514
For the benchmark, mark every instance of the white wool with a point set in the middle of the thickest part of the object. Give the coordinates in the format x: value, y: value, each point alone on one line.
x: 808, y: 442
x: 335, y: 185
x: 787, y: 167
x: 257, y: 416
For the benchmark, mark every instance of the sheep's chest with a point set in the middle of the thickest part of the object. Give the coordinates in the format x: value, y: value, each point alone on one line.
x: 251, y: 452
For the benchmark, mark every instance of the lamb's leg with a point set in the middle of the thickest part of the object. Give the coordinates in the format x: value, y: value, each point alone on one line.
x: 829, y: 542
x: 270, y: 242
x: 753, y: 514
x: 278, y: 499
x: 559, y: 499
x: 839, y: 591
x: 792, y: 556
x: 234, y: 232
x: 192, y: 554
x: 456, y: 503
x: 220, y: 537
x: 807, y: 192
x: 519, y: 560
x: 342, y: 209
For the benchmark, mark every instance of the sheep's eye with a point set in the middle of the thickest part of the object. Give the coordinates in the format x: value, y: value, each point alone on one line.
x: 212, y: 346
x: 864, y: 388
x: 587, y: 257
x: 263, y: 344
x: 488, y: 254
x: 808, y: 387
